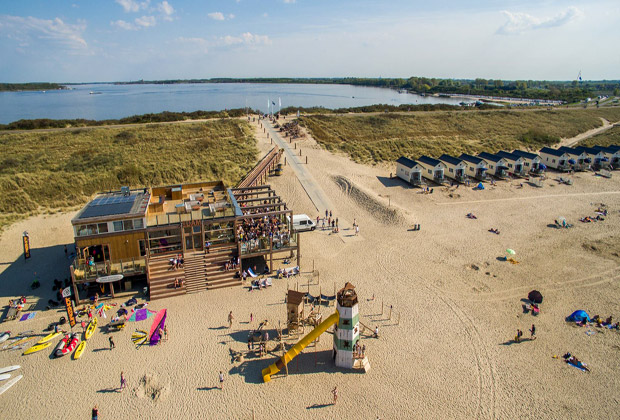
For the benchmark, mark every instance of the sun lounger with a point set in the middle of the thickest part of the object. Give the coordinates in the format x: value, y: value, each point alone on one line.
x: 292, y: 271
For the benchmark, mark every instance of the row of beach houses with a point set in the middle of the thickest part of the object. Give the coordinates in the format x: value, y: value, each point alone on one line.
x: 503, y: 164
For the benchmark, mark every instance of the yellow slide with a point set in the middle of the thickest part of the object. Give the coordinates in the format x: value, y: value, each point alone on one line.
x: 298, y: 348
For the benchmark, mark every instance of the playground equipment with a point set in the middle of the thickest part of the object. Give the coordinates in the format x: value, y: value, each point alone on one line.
x: 346, y: 334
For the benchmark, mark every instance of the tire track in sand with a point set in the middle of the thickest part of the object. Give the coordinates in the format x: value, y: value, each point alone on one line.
x: 486, y: 395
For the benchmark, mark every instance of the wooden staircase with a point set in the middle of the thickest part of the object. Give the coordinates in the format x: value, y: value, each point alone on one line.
x: 195, y: 272
x: 215, y: 261
x: 161, y: 278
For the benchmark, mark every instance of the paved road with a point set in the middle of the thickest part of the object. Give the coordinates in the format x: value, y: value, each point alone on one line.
x: 313, y: 189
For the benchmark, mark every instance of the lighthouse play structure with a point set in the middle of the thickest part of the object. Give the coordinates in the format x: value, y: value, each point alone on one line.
x: 346, y: 335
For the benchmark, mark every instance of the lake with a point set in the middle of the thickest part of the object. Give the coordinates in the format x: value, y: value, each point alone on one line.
x: 110, y: 101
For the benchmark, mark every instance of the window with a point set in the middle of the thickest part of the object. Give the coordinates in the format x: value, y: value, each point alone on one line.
x: 103, y: 227
x: 527, y: 164
x: 82, y: 230
x: 346, y: 322
x: 118, y: 226
x: 491, y: 166
x: 430, y: 172
x: 196, y: 228
x: 552, y: 160
x: 451, y: 170
x: 138, y: 224
x: 347, y: 344
x: 510, y: 165
x: 127, y: 224
x: 142, y: 247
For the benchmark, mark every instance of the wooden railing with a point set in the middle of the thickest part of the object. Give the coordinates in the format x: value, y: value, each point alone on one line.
x: 258, y: 174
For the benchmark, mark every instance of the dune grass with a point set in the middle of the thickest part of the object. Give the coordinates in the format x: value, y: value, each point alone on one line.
x: 45, y: 172
x: 386, y: 137
x: 609, y: 137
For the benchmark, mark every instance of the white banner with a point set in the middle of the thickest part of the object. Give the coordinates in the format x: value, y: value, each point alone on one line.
x: 66, y: 292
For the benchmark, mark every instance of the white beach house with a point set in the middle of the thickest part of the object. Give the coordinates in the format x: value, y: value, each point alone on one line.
x: 432, y: 169
x: 498, y: 166
x: 578, y: 158
x: 476, y: 167
x: 516, y: 163
x: 456, y: 168
x: 531, y: 161
x: 613, y: 152
x: 554, y: 158
x: 409, y: 170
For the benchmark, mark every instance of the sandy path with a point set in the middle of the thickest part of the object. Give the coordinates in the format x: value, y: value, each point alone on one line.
x: 569, y: 142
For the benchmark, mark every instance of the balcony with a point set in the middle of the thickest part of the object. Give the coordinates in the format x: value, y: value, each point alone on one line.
x: 85, y: 272
x: 261, y: 245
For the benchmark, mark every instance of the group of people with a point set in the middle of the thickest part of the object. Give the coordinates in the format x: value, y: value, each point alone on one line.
x: 251, y: 231
x: 177, y: 262
x: 520, y: 334
x: 329, y: 220
x: 359, y: 351
x: 233, y: 264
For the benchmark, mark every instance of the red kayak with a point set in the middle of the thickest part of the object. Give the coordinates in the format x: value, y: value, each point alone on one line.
x: 60, y: 346
x: 72, y: 345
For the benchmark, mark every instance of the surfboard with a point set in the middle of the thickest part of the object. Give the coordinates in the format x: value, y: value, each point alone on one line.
x: 109, y: 279
x: 38, y: 347
x: 9, y: 369
x: 5, y: 376
x: 10, y: 383
x: 79, y: 350
x: 48, y: 337
x: 92, y: 326
x: 5, y: 336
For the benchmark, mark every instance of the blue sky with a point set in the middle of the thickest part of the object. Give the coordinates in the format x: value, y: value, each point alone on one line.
x: 117, y: 40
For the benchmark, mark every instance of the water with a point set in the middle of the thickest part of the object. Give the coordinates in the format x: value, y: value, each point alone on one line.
x: 118, y: 101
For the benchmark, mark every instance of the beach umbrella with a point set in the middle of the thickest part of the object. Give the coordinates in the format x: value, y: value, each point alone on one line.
x: 535, y: 296
x: 572, y: 161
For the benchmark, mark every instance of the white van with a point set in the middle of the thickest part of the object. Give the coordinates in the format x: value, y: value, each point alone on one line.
x: 301, y: 222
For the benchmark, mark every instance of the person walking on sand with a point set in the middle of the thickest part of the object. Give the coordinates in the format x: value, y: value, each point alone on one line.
x: 251, y: 317
x: 95, y: 413
x: 112, y: 345
x: 221, y: 376
x: 230, y: 319
x: 123, y: 381
x: 357, y: 230
x: 335, y: 394
x: 533, y: 332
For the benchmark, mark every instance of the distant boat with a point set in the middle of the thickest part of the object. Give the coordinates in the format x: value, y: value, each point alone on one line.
x: 94, y: 93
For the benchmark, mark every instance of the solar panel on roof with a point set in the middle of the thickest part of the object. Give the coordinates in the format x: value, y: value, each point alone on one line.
x: 113, y: 199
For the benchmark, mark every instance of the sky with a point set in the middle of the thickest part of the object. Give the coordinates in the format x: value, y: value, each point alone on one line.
x: 124, y: 40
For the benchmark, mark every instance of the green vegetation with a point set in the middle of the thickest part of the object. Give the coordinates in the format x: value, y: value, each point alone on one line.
x: 165, y: 116
x: 569, y: 91
x: 16, y: 87
x: 609, y: 137
x: 43, y: 172
x: 386, y: 137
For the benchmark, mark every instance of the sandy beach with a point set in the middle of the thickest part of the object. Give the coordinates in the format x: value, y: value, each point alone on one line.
x: 446, y: 352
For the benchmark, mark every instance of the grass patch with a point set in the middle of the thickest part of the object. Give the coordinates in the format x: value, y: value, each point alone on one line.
x: 42, y: 172
x: 609, y: 137
x: 386, y: 137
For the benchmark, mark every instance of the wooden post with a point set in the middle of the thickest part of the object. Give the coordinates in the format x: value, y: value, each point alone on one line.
x: 390, y: 315
x: 299, y: 151
x: 312, y: 266
x: 306, y: 159
x: 381, y: 306
x: 295, y: 146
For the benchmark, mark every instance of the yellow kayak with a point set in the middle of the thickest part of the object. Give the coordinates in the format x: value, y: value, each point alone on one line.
x: 48, y: 337
x: 92, y: 326
x: 79, y: 350
x: 37, y: 347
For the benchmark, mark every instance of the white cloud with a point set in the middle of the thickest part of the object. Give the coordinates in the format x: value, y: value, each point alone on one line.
x: 132, y: 5
x: 138, y: 23
x: 30, y: 30
x: 216, y: 16
x: 145, y: 21
x: 289, y: 1
x: 166, y: 9
x: 124, y: 25
x: 522, y: 22
x: 246, y: 38
x: 196, y: 44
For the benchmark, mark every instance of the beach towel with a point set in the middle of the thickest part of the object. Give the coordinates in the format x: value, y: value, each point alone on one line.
x: 141, y: 315
x: 292, y: 271
x: 251, y: 273
x: 27, y: 316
